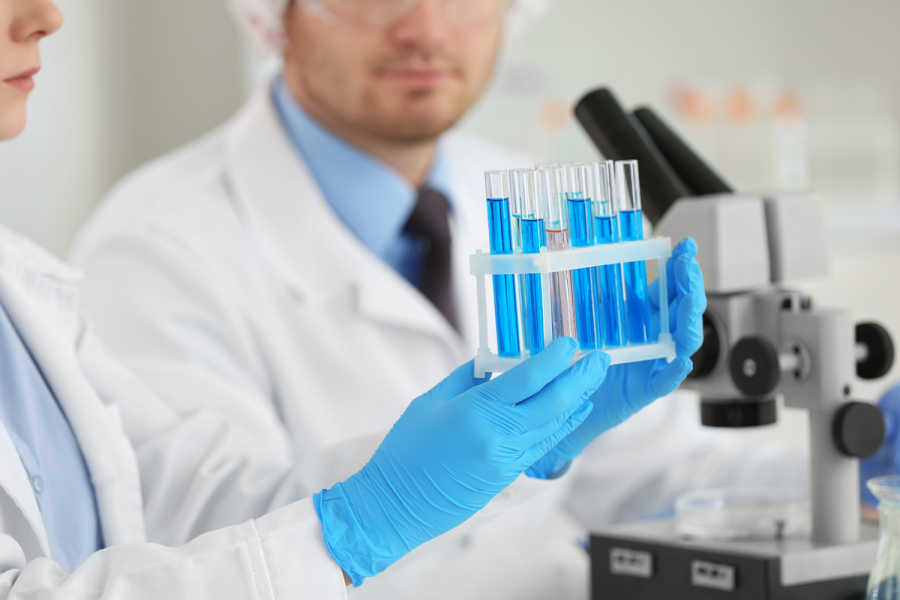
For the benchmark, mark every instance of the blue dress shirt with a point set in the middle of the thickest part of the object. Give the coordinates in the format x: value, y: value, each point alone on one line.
x: 370, y: 197
x: 49, y: 452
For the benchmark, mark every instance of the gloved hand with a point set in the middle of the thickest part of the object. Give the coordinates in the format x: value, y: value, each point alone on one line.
x: 630, y: 387
x: 451, y: 452
x: 887, y: 460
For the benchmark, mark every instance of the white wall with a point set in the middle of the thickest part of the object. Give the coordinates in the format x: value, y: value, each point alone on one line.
x: 639, y: 46
x: 123, y: 81
x: 51, y: 176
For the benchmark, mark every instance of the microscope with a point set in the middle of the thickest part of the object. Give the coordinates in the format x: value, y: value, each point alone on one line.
x: 761, y: 341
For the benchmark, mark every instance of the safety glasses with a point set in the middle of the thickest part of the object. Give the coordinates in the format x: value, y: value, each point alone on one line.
x: 384, y: 13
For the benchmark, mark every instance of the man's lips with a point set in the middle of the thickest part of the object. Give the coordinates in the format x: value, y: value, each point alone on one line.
x: 417, y: 77
x: 23, y: 81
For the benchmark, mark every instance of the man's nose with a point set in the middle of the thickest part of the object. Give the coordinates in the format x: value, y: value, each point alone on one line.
x: 424, y: 28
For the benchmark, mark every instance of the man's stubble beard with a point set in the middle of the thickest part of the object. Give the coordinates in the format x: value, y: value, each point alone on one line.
x: 410, y: 124
x: 367, y: 112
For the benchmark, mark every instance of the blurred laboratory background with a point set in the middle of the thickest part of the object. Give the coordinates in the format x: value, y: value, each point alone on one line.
x: 777, y: 94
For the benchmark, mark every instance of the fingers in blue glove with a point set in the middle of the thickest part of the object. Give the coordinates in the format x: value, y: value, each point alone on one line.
x: 570, y: 389
x: 687, y: 298
x: 548, y: 410
x: 529, y: 377
x: 684, y: 278
x: 686, y: 246
x: 459, y: 381
x: 560, y: 433
x: 684, y: 251
x: 688, y: 330
x: 666, y: 380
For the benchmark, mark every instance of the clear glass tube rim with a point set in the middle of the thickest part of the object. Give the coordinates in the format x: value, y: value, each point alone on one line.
x: 532, y: 205
x: 553, y: 198
x: 496, y: 184
x: 628, y: 184
x: 576, y: 183
x: 516, y: 191
x: 603, y: 176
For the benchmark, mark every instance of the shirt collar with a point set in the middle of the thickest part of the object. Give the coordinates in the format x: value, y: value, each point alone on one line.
x: 370, y: 197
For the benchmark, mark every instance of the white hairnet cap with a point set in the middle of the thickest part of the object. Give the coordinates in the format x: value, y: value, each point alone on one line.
x: 262, y: 20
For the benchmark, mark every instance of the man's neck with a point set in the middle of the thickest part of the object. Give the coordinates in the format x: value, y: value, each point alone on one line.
x: 413, y: 160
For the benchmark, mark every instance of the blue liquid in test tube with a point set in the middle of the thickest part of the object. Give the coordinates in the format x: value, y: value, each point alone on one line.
x: 516, y: 200
x: 584, y: 286
x: 532, y: 241
x: 606, y: 231
x: 525, y: 189
x: 631, y: 223
x: 497, y: 187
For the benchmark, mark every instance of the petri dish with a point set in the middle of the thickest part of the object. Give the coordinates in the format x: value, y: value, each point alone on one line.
x: 730, y: 514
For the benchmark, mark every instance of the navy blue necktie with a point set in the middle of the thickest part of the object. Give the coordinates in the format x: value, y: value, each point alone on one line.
x: 429, y: 221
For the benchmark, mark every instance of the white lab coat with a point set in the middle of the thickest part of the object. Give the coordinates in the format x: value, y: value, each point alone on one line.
x: 222, y: 276
x: 281, y: 555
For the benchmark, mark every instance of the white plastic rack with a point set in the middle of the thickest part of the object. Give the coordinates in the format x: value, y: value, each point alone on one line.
x: 658, y: 249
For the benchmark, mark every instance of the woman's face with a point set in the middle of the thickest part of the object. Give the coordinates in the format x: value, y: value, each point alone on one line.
x: 23, y: 24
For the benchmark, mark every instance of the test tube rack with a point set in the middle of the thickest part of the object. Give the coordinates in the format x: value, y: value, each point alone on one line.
x: 483, y: 264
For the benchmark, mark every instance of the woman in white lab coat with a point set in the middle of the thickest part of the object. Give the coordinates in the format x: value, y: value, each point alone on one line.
x: 299, y: 551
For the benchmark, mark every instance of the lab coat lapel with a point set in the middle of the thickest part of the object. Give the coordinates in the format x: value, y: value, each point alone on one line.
x: 107, y: 452
x: 316, y: 254
x: 469, y: 235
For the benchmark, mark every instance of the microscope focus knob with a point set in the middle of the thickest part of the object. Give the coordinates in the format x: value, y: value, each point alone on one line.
x: 858, y: 429
x: 754, y: 366
x: 877, y: 349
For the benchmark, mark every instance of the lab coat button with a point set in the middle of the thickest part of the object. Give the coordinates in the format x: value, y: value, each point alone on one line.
x: 37, y: 483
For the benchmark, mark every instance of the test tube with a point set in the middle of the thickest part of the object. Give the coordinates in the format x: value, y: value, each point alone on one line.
x: 632, y: 227
x: 583, y: 285
x: 516, y: 203
x: 497, y: 187
x: 533, y: 239
x: 556, y: 227
x: 606, y: 231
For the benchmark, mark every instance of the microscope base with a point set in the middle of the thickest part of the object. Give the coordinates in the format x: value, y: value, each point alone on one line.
x: 649, y: 560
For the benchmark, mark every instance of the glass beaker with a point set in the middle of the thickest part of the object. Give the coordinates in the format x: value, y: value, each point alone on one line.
x: 884, y: 577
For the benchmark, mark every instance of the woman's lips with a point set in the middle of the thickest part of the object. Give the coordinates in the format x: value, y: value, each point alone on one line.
x: 23, y: 82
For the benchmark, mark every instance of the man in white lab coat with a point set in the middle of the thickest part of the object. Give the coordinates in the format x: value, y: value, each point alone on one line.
x: 287, y: 276
x: 71, y: 495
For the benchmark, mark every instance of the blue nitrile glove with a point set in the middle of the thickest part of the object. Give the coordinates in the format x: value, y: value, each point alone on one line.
x: 451, y: 451
x: 887, y: 460
x: 630, y: 387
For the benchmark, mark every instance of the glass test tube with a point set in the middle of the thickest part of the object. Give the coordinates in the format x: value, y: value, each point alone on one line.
x: 583, y: 280
x: 606, y: 231
x: 632, y: 227
x: 496, y: 185
x: 556, y: 227
x: 516, y: 207
x: 533, y: 238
